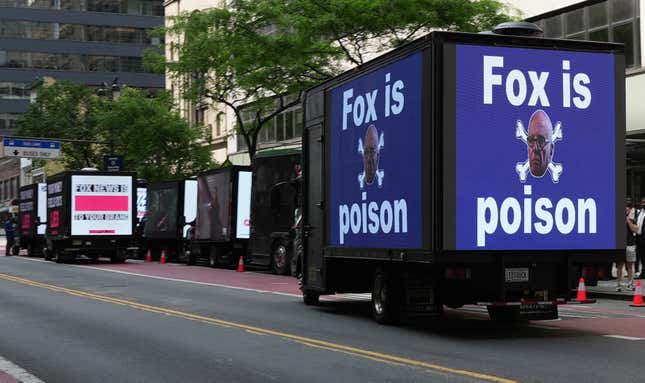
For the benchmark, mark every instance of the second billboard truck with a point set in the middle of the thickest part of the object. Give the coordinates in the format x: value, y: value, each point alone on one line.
x: 462, y: 169
x: 90, y: 213
x: 220, y: 231
x: 171, y: 205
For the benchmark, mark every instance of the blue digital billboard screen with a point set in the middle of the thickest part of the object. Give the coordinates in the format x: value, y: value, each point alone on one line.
x: 535, y: 149
x: 375, y: 166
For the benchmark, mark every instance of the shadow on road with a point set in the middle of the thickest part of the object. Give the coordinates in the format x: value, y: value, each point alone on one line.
x: 470, y: 323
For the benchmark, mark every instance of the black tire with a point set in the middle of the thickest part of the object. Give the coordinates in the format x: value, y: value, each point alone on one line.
x: 190, y: 258
x: 118, y: 256
x: 280, y: 258
x: 503, y: 314
x: 212, y: 258
x: 386, y: 298
x: 310, y: 298
x: 61, y: 257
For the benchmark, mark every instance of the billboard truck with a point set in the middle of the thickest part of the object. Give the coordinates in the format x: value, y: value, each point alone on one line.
x: 90, y: 213
x: 32, y: 218
x: 275, y: 198
x: 466, y: 169
x: 138, y: 247
x: 171, y: 208
x: 220, y: 230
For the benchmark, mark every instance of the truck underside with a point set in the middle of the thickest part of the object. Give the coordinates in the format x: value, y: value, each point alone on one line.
x: 511, y: 287
x: 70, y: 249
x: 224, y: 254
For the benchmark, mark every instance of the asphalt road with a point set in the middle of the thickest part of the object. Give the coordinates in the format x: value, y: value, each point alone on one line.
x: 65, y: 323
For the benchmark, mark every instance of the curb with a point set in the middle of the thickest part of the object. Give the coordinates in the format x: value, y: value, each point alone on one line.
x: 12, y: 372
x: 610, y: 295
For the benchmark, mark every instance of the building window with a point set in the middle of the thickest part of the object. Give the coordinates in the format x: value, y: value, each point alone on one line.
x: 12, y: 90
x: 8, y: 120
x: 134, y: 7
x: 220, y: 124
x: 14, y: 187
x: 63, y: 61
x: 285, y: 127
x: 200, y: 115
x: 610, y: 20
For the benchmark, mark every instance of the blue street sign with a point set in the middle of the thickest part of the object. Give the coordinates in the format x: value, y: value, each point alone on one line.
x: 31, y: 148
x: 112, y: 163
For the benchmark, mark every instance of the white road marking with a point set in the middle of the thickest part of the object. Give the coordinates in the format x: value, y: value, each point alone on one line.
x: 173, y: 279
x: 188, y: 281
x: 331, y: 297
x: 584, y: 316
x: 623, y: 337
x: 17, y: 372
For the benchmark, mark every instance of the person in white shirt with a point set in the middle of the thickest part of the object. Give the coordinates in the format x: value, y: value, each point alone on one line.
x: 640, y: 238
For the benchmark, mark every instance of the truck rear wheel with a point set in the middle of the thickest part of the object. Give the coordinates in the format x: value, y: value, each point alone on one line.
x: 386, y: 307
x: 280, y: 258
x: 189, y: 257
x: 212, y: 258
x: 61, y: 257
x: 310, y: 298
x: 118, y: 256
x: 503, y: 314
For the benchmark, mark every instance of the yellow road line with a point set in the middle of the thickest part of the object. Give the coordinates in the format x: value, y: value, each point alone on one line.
x: 372, y: 355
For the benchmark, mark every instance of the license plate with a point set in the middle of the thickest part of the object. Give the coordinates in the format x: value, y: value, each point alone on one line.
x: 535, y: 307
x: 517, y: 274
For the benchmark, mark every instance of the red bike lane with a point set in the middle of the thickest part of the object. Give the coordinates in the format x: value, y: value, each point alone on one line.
x: 255, y: 281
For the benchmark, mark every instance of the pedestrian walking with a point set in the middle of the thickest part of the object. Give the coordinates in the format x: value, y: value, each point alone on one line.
x: 640, y: 240
x: 630, y: 251
x: 10, y: 234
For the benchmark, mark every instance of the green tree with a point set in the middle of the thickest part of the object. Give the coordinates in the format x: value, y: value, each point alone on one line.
x: 257, y: 56
x: 155, y: 140
x: 65, y: 110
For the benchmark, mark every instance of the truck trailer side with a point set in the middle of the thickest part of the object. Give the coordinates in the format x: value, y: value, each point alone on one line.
x: 465, y: 169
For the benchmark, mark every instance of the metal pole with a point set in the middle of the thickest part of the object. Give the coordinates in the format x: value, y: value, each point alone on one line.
x: 71, y: 140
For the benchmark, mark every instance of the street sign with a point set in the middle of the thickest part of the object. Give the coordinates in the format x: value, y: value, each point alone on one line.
x: 14, y: 147
x: 112, y: 163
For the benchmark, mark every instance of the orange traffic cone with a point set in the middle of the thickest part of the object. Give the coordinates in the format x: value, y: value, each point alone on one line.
x: 148, y: 256
x: 162, y: 260
x: 240, y: 265
x: 638, y: 296
x: 582, y: 291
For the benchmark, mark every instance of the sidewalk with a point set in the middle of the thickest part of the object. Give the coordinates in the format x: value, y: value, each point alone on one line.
x: 607, y: 289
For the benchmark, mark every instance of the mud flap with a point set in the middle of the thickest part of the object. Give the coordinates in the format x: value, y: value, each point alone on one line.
x: 420, y: 297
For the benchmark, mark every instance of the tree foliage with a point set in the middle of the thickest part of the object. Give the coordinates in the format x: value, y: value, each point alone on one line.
x: 68, y: 111
x: 260, y: 55
x: 155, y: 141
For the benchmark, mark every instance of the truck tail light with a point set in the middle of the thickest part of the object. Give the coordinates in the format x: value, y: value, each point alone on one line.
x: 457, y: 273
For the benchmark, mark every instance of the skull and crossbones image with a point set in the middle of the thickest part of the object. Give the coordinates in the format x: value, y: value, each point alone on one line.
x: 540, y: 141
x: 370, y: 151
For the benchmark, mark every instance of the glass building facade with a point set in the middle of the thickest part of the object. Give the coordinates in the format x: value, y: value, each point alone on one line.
x: 84, y: 41
x: 132, y: 7
x: 610, y: 20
